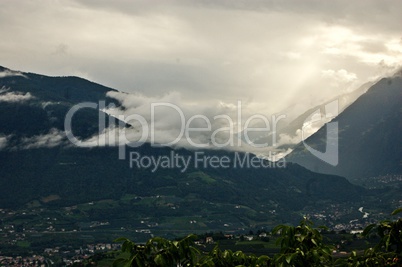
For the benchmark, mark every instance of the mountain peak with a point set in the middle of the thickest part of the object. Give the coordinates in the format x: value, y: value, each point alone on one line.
x: 369, y: 139
x: 3, y: 68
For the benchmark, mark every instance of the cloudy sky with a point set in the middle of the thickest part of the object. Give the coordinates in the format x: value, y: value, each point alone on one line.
x: 269, y: 54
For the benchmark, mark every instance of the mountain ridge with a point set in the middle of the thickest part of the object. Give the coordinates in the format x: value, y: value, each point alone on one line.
x: 75, y: 176
x: 374, y: 118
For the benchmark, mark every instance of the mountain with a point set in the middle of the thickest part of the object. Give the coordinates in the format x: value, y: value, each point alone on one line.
x: 40, y: 168
x: 369, y: 131
x: 291, y: 126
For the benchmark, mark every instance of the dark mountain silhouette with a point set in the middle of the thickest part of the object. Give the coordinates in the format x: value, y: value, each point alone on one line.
x: 290, y: 127
x: 370, y: 139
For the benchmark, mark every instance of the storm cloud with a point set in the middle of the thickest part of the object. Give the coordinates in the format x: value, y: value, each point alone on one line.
x: 269, y: 54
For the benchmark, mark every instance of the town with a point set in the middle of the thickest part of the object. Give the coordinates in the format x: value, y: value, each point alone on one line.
x: 39, y: 236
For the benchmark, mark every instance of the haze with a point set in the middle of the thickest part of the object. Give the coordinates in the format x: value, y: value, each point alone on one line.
x: 269, y: 54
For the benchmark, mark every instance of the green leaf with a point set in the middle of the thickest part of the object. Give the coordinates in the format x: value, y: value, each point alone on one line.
x: 121, y: 239
x: 263, y: 258
x: 396, y: 211
x: 301, y: 238
x: 314, y: 242
x: 289, y: 258
x: 120, y: 262
x: 387, y: 241
x: 139, y: 262
x: 368, y: 229
x: 159, y: 260
x: 278, y: 228
x: 327, y: 251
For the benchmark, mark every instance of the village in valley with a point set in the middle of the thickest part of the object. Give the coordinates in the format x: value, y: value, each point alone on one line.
x: 38, y: 233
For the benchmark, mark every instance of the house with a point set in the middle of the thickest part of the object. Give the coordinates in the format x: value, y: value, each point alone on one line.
x: 248, y: 237
x: 209, y: 240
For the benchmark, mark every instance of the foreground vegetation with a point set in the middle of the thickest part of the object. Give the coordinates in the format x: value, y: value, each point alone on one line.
x: 299, y: 246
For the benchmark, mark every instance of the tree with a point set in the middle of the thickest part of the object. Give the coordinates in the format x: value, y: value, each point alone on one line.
x: 388, y: 251
x: 301, y: 246
x: 390, y: 233
x: 159, y: 252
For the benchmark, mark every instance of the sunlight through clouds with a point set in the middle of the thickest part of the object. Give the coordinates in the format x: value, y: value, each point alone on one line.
x: 272, y: 53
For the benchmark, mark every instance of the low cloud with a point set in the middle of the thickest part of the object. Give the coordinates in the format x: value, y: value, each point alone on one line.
x: 278, y: 54
x: 15, y: 97
x: 45, y: 104
x: 308, y: 129
x: 218, y: 122
x: 10, y: 73
x: 4, y: 89
x: 165, y: 120
x: 341, y: 75
x: 53, y: 138
x: 4, y: 141
x: 341, y: 79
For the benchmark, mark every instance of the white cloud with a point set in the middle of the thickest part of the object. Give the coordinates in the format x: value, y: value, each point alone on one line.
x: 53, y: 138
x: 340, y: 75
x: 167, y: 123
x: 167, y: 120
x: 15, y: 97
x: 341, y: 80
x: 4, y: 141
x: 269, y: 54
x: 4, y: 89
x: 10, y: 73
x: 48, y: 103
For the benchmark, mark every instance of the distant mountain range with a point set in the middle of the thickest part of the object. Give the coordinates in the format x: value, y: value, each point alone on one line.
x: 37, y: 165
x: 370, y: 136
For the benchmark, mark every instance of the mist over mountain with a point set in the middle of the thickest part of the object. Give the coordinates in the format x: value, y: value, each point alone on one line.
x: 41, y: 168
x: 289, y: 130
x: 38, y: 163
x: 370, y: 140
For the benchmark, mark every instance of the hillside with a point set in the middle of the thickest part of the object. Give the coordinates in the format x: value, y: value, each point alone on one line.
x: 370, y: 140
x: 40, y: 168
